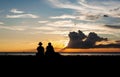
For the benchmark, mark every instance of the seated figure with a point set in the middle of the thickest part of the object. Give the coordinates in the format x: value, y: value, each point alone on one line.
x: 40, y: 50
x: 50, y: 51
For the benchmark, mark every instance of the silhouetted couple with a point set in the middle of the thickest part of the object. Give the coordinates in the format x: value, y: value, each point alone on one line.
x: 49, y: 50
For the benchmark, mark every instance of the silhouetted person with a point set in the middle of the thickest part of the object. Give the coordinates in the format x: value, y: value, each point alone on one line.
x: 40, y: 50
x: 49, y: 50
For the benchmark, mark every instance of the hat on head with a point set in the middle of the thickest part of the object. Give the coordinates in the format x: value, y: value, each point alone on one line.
x: 40, y: 43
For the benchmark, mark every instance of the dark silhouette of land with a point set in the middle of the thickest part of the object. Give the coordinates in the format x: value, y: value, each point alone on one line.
x: 32, y: 61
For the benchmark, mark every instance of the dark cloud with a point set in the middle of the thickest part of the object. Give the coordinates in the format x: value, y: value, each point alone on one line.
x: 108, y: 46
x: 92, y: 39
x: 118, y: 41
x: 113, y: 26
x: 92, y: 17
x: 76, y: 39
x: 105, y: 16
x: 80, y: 40
x: 116, y: 9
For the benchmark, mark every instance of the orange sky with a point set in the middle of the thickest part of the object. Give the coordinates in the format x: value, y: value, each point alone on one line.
x: 93, y: 50
x: 25, y: 46
x: 28, y: 46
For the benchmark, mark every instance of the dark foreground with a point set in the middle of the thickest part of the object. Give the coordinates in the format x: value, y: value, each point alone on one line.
x: 59, y: 60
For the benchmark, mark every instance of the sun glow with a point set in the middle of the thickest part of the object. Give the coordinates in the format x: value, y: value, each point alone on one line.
x: 60, y: 43
x: 92, y: 50
x: 106, y: 42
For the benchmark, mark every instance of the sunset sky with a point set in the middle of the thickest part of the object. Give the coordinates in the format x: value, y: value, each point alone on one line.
x: 24, y: 23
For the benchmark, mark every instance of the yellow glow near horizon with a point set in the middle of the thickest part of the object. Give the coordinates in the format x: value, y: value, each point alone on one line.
x: 106, y: 42
x: 20, y: 46
x: 92, y: 50
x: 58, y: 48
x: 60, y: 43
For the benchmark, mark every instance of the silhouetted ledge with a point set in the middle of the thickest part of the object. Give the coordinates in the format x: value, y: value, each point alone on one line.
x: 58, y: 59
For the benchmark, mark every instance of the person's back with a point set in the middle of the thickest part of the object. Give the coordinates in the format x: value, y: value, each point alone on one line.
x: 49, y: 49
x: 40, y: 50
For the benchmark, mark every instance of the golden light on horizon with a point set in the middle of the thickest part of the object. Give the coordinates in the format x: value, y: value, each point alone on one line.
x: 60, y: 44
x: 106, y: 42
x: 92, y: 50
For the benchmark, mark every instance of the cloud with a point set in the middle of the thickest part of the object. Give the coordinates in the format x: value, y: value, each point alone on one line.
x: 16, y: 11
x: 83, y: 3
x: 43, y: 22
x: 90, y: 9
x: 61, y: 23
x: 47, y: 28
x: 58, y: 32
x: 58, y: 27
x: 65, y: 4
x: 68, y: 25
x: 63, y: 17
x: 100, y: 29
x: 92, y: 39
x: 22, y: 16
x: 118, y: 41
x: 17, y: 28
x: 85, y: 17
x: 1, y: 23
x: 83, y: 0
x: 113, y: 26
x: 80, y: 40
x: 88, y: 17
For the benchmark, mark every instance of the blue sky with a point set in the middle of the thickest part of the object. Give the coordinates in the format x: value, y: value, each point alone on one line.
x: 51, y: 12
x: 58, y: 18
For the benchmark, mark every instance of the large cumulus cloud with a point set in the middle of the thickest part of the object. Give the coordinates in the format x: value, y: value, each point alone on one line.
x: 80, y: 40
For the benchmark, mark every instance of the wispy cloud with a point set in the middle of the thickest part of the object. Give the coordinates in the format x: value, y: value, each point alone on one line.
x: 65, y: 4
x: 22, y: 16
x: 17, y: 28
x: 61, y: 23
x: 48, y: 28
x: 65, y: 16
x: 90, y: 7
x: 1, y: 23
x: 113, y: 26
x: 86, y: 5
x: 16, y: 11
x: 86, y: 17
x: 59, y: 32
x: 63, y: 27
x: 43, y: 22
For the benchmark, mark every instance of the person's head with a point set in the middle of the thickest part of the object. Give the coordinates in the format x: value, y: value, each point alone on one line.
x: 40, y: 43
x: 49, y: 44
